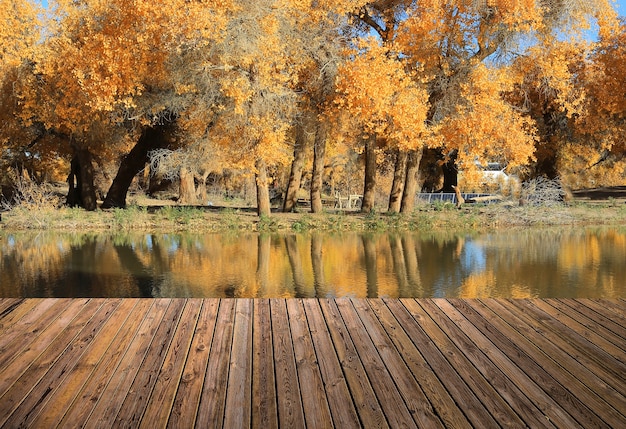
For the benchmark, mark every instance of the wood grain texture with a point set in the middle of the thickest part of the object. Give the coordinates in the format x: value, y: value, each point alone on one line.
x: 342, y: 363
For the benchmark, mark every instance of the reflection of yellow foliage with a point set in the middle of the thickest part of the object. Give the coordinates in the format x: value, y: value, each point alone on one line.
x: 478, y: 285
x: 485, y: 285
x: 581, y: 253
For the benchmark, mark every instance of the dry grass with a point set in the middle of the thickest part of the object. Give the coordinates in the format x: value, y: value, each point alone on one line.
x: 176, y: 218
x: 39, y: 207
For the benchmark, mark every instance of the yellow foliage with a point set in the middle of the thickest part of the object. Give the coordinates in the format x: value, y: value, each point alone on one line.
x: 381, y: 97
x: 19, y: 32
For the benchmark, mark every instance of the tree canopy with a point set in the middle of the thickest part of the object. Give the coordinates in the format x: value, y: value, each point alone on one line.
x: 228, y: 84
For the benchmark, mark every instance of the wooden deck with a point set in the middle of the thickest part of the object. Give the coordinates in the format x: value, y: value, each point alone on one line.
x: 312, y: 363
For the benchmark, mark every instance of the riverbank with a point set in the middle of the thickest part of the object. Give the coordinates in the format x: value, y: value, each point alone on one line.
x: 215, y: 219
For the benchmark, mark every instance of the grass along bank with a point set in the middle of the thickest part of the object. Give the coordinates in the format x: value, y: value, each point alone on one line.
x: 444, y: 216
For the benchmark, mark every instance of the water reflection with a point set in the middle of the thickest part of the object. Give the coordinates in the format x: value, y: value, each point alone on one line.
x: 515, y: 264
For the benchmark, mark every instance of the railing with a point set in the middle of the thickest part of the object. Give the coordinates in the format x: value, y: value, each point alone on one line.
x: 432, y: 197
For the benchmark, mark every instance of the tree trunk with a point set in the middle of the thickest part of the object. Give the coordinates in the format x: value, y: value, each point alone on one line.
x: 151, y: 138
x: 186, y: 187
x: 369, y: 188
x: 410, y: 183
x: 450, y: 173
x: 297, y: 166
x: 317, y: 179
x: 397, y: 187
x: 262, y: 189
x: 81, y: 191
x: 201, y: 193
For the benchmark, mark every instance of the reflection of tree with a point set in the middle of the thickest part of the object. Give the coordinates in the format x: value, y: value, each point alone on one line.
x: 404, y: 254
x: 412, y: 266
x: 399, y: 265
x: 295, y: 262
x: 371, y: 267
x: 83, y: 277
x: 140, y: 273
x: 319, y: 281
x: 262, y: 266
x: 556, y: 263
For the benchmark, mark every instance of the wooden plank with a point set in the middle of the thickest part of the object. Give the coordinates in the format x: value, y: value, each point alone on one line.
x: 616, y: 306
x: 24, y: 355
x: 342, y: 409
x: 486, y: 393
x: 24, y: 307
x: 391, y: 401
x: 20, y: 334
x: 161, y: 401
x: 94, y: 388
x: 551, y: 378
x: 136, y: 400
x: 536, y: 336
x: 598, y: 316
x: 510, y: 383
x: 185, y: 407
x: 290, y: 411
x: 363, y: 395
x: 414, y: 397
x: 577, y: 326
x: 110, y: 401
x: 38, y: 397
x: 316, y: 363
x: 264, y: 406
x: 7, y: 305
x: 239, y: 391
x: 531, y: 402
x: 314, y: 400
x: 435, y: 391
x: 213, y: 397
x: 14, y: 396
x: 472, y: 406
x: 597, y: 360
x: 66, y: 392
x: 588, y: 323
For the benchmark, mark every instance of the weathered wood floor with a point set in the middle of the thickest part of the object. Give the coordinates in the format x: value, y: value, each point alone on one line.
x: 315, y: 363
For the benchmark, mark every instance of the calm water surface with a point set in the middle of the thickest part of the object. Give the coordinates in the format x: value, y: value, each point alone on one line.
x: 564, y: 263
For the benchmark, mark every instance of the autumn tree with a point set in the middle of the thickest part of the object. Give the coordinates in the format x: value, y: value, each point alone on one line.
x: 107, y: 65
x: 377, y: 99
x: 269, y: 75
x: 595, y: 156
x: 458, y: 48
x: 19, y: 36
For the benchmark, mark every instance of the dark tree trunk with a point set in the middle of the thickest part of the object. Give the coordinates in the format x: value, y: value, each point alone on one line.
x: 81, y: 191
x: 297, y: 166
x: 151, y: 138
x: 262, y: 189
x: 317, y: 179
x: 397, y: 187
x: 411, y: 181
x: 369, y: 188
x: 450, y: 173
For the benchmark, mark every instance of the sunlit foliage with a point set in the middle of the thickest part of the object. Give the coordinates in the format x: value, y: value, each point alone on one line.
x: 512, y: 81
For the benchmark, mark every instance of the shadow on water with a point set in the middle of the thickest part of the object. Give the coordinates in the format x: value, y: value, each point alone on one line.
x: 554, y: 263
